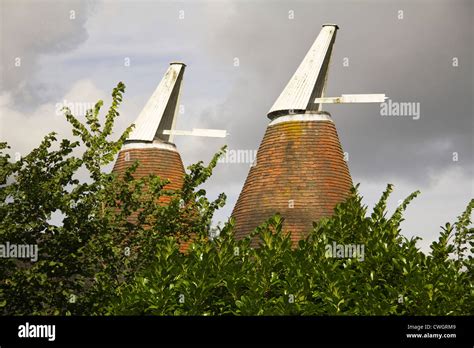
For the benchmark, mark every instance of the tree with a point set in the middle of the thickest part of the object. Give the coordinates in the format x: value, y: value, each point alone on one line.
x: 98, y: 262
x: 390, y: 277
x: 95, y: 249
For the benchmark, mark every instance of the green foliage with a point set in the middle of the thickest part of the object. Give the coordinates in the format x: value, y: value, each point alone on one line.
x: 96, y: 261
x: 95, y: 248
x: 225, y: 276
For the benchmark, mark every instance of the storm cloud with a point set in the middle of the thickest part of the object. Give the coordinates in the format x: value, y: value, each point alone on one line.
x: 239, y: 56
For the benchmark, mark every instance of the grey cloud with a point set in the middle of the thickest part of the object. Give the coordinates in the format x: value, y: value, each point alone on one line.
x: 32, y: 29
x: 409, y: 59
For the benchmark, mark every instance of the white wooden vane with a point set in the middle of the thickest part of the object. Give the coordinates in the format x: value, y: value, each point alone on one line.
x: 157, y: 120
x: 305, y: 91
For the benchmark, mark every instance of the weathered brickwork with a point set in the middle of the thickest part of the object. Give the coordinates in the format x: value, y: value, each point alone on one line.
x: 164, y: 163
x: 300, y: 173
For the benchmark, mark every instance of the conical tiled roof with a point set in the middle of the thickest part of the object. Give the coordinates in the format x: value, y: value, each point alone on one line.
x: 300, y: 171
x: 157, y: 158
x: 148, y: 144
x: 151, y: 141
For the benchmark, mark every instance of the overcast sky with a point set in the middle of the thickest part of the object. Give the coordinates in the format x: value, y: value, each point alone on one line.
x: 415, y: 52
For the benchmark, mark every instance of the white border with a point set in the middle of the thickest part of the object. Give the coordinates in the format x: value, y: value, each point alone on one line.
x: 301, y: 117
x: 157, y: 145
